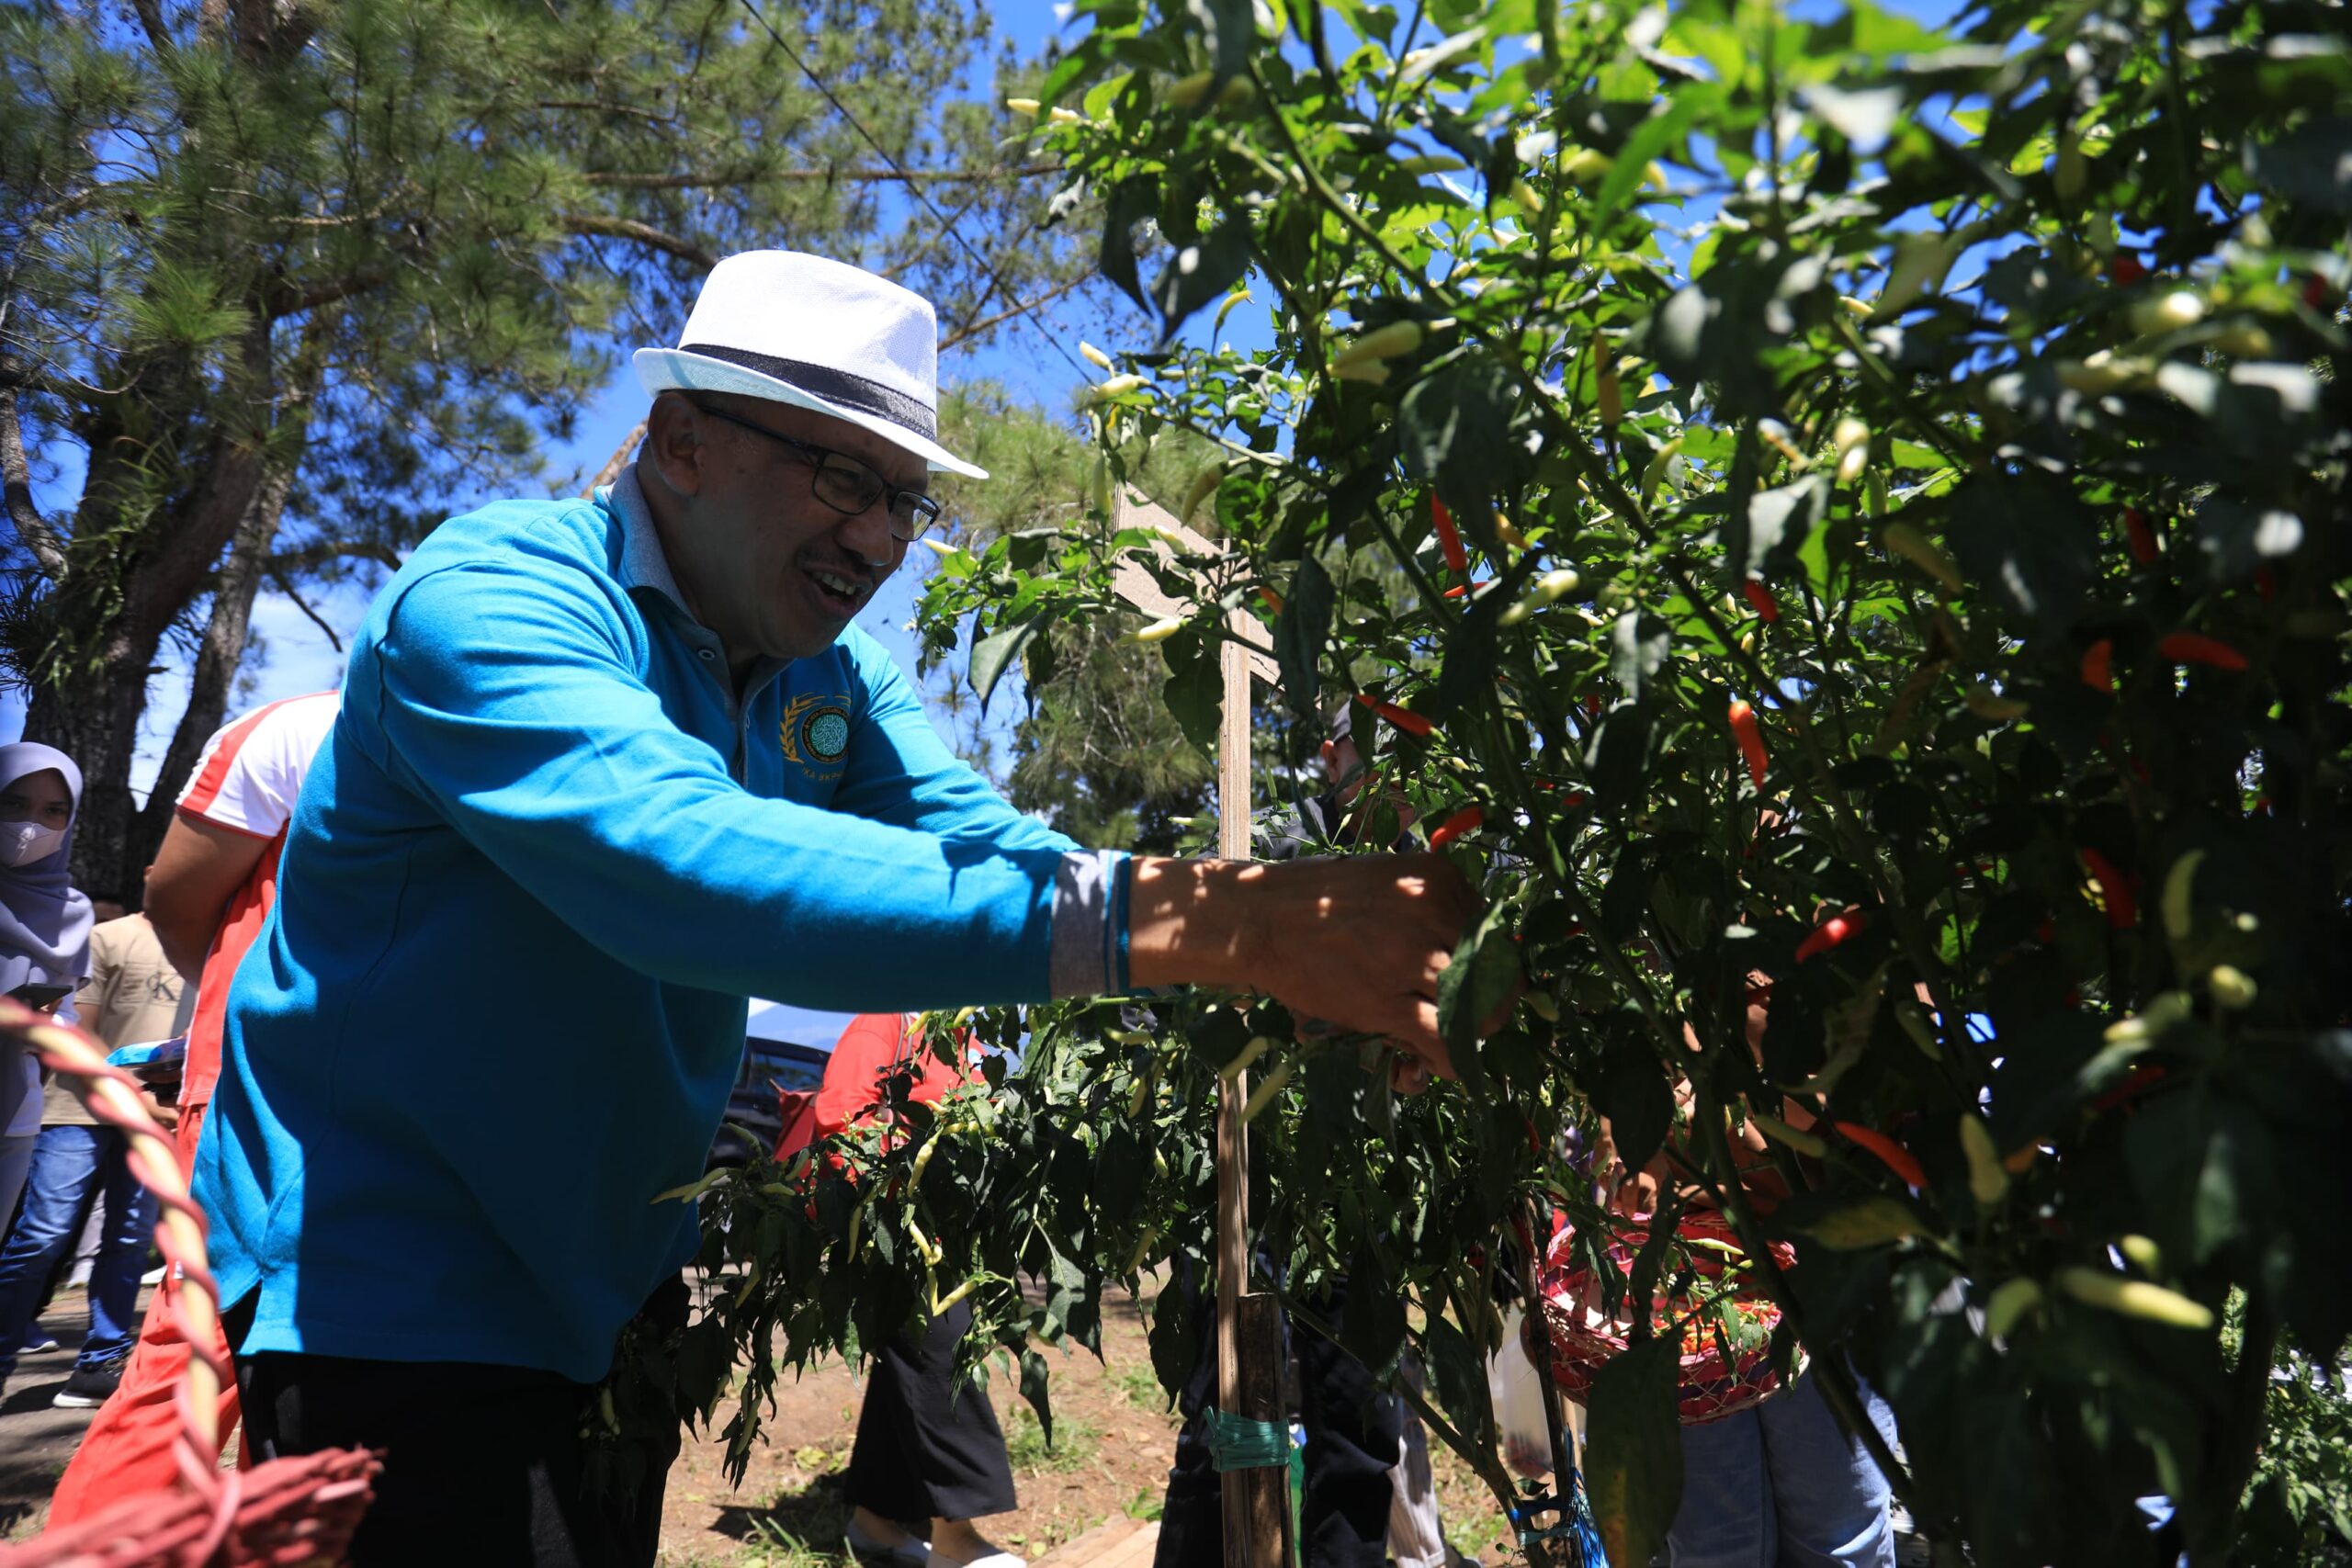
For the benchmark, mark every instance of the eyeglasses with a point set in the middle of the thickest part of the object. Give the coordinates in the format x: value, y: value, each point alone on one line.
x: 843, y: 484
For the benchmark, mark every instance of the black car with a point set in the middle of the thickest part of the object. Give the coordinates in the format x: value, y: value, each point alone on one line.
x: 753, y: 1121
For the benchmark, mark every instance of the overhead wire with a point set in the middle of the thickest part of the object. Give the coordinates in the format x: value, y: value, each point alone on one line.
x: 913, y: 186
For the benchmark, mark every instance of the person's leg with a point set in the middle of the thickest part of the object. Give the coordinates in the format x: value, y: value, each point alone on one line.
x: 483, y: 1465
x: 128, y: 1450
x: 64, y: 1160
x: 1192, y: 1517
x: 1831, y: 1499
x: 1725, y: 1519
x: 1353, y: 1439
x: 1415, y: 1534
x: 927, y: 1450
x: 129, y: 1210
x: 16, y: 1159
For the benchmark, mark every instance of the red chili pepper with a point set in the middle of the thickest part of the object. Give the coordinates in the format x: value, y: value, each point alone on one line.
x: 1448, y: 540
x: 1466, y: 821
x: 1591, y: 705
x: 2142, y: 1077
x: 2266, y: 583
x: 1745, y: 729
x: 1272, y: 599
x: 1768, y: 609
x: 2317, y: 292
x: 2114, y: 890
x: 2098, y: 666
x: 2126, y: 270
x: 1830, y: 932
x: 1405, y: 719
x: 2139, y: 536
x: 2195, y: 648
x: 1896, y: 1156
x: 1459, y: 589
x: 2047, y: 931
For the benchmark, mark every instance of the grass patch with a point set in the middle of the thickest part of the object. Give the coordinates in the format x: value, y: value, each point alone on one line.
x: 1074, y: 1443
x: 1141, y: 1389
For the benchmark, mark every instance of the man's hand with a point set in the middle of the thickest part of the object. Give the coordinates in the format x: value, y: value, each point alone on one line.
x: 1357, y: 943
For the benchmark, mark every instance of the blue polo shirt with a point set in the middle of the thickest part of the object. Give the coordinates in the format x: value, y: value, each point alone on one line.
x: 546, y: 857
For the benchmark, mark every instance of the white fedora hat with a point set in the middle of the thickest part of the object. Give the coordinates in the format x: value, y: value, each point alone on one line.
x: 818, y: 334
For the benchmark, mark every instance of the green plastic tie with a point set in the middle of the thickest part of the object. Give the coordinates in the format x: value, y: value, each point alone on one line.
x: 1236, y: 1442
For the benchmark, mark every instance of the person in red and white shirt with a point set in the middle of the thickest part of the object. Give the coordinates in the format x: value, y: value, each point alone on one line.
x: 213, y: 881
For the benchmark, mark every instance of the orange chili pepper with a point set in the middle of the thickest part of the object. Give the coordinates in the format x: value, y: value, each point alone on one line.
x: 1830, y: 932
x: 1744, y: 729
x: 1768, y: 609
x: 1894, y: 1154
x: 2114, y: 891
x: 1459, y: 589
x: 1469, y: 819
x: 1405, y: 719
x: 1448, y: 540
x: 2139, y: 536
x: 1272, y: 599
x: 2098, y: 666
x: 2195, y: 648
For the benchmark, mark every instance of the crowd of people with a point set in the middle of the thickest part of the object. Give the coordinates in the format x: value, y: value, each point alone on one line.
x: 637, y: 735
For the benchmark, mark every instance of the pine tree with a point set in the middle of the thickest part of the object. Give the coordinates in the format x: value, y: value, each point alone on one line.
x: 287, y: 279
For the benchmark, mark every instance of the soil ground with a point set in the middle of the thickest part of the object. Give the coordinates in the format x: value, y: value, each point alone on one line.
x: 1113, y: 1438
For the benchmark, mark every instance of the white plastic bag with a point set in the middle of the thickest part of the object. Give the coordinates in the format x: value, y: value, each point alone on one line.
x: 1518, y: 1394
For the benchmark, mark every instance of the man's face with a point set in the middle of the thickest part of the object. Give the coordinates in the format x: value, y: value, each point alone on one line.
x: 1344, y: 766
x: 776, y: 572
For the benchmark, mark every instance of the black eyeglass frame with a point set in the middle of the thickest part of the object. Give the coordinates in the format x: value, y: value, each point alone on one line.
x: 925, y: 509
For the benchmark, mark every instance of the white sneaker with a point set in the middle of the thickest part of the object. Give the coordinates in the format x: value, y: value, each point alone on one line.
x: 155, y: 1276
x: 912, y: 1551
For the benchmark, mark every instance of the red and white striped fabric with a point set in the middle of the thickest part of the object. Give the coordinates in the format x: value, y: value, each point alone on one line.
x: 246, y: 782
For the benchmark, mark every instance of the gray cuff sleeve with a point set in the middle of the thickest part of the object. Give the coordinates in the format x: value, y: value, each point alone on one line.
x: 1090, y: 940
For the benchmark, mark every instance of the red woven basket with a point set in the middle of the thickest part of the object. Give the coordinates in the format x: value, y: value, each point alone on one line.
x: 289, y: 1513
x: 1724, y: 1309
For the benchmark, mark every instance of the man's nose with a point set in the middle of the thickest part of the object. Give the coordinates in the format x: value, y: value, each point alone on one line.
x: 868, y: 536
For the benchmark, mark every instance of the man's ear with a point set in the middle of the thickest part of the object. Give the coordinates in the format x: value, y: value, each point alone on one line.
x: 674, y: 447
x: 1331, y: 760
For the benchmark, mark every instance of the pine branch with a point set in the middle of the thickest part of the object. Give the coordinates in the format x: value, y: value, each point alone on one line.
x: 278, y: 580
x: 591, y: 223
x: 965, y: 334
x: 283, y: 299
x: 708, y: 179
x: 150, y: 22
x: 17, y: 483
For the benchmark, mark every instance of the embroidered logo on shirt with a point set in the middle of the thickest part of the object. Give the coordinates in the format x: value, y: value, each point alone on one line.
x: 816, y: 730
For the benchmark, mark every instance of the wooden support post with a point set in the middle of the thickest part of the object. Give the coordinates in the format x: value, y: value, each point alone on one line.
x: 1249, y: 1327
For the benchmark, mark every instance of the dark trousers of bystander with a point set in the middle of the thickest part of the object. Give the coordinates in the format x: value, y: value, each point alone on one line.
x: 483, y: 1464
x: 925, y: 1449
x: 1353, y: 1435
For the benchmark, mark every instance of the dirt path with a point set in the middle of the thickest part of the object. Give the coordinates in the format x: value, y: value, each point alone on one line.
x: 35, y: 1438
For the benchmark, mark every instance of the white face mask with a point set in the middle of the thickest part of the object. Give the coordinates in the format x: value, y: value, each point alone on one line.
x: 21, y: 843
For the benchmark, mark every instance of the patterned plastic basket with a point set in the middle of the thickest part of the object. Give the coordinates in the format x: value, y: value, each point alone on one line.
x: 1726, y: 1318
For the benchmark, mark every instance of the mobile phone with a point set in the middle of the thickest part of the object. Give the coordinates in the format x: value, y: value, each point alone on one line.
x: 41, y: 993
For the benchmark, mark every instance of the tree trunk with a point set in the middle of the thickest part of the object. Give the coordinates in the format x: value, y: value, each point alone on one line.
x: 217, y: 661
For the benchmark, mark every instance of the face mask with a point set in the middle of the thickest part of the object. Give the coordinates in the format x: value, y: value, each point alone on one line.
x: 21, y: 843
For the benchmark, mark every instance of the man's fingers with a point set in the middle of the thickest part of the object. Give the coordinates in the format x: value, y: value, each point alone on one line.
x: 1423, y: 1039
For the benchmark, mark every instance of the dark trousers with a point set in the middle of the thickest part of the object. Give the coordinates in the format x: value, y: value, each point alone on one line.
x: 926, y: 1451
x: 1353, y: 1435
x: 483, y: 1464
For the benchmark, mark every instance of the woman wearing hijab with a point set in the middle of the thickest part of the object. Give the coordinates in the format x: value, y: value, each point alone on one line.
x: 44, y: 954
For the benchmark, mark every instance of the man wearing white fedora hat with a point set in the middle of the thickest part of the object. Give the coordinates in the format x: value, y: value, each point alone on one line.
x: 603, y: 769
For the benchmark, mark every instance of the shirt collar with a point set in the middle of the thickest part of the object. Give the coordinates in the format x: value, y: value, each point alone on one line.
x: 642, y: 563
